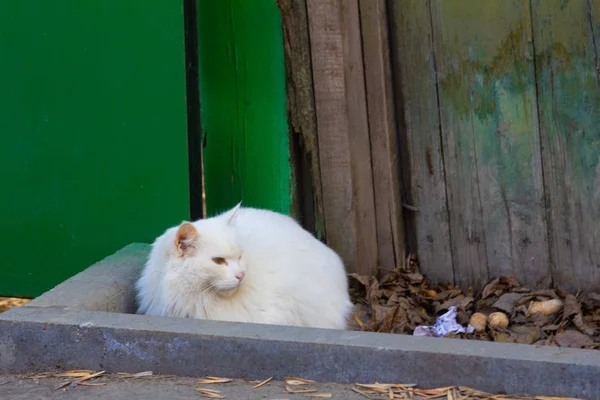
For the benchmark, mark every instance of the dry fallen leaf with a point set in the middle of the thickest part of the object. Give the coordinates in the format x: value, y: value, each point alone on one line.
x: 361, y: 392
x: 507, y: 301
x: 62, y: 385
x: 262, y: 383
x: 295, y: 382
x: 75, y: 374
x: 212, y: 380
x: 97, y: 374
x: 398, y: 302
x: 295, y: 391
x: 295, y: 379
x: 574, y: 339
x: 358, y: 321
x: 212, y: 394
x: 142, y: 374
x: 321, y: 395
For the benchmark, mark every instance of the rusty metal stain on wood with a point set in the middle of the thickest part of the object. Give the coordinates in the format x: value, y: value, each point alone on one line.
x: 566, y: 44
x: 419, y: 138
x: 382, y: 131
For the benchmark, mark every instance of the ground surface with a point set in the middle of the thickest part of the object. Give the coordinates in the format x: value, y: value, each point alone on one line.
x: 13, y: 387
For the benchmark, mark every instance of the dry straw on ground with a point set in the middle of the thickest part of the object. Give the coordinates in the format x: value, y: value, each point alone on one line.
x: 294, y: 387
x: 6, y: 303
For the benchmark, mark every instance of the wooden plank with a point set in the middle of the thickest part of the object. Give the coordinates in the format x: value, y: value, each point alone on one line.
x: 486, y: 83
x: 343, y: 133
x: 419, y: 138
x: 382, y: 130
x: 569, y: 108
x: 301, y: 114
x: 242, y: 78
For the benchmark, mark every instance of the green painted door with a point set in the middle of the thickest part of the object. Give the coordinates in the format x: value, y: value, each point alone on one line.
x: 93, y: 141
x: 243, y: 97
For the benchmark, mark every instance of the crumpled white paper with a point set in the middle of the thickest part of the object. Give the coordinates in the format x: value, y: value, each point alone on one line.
x: 443, y: 325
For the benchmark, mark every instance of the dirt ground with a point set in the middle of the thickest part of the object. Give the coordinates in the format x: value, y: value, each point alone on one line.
x: 153, y: 387
x: 14, y: 387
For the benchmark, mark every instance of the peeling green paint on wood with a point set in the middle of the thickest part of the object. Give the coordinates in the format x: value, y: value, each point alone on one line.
x: 242, y: 86
x: 491, y: 143
x: 568, y: 77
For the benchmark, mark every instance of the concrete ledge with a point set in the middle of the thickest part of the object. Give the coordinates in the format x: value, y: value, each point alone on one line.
x: 42, y: 337
x: 105, y: 286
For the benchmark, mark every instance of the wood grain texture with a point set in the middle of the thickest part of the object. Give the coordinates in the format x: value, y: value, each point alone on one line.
x: 419, y: 137
x: 491, y: 140
x: 343, y: 134
x: 301, y: 111
x: 382, y: 130
x: 566, y: 55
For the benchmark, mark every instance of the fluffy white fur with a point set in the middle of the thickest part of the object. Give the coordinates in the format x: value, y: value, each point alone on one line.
x: 289, y: 277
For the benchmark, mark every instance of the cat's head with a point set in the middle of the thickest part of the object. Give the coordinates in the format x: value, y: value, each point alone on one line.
x: 207, y: 255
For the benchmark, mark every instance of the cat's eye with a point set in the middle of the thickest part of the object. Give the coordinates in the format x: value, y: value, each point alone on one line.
x: 219, y: 260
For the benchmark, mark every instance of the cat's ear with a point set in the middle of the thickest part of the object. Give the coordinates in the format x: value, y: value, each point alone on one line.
x: 186, y: 239
x: 231, y: 214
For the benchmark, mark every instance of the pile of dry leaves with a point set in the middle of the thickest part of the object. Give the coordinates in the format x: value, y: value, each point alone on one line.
x: 504, y: 311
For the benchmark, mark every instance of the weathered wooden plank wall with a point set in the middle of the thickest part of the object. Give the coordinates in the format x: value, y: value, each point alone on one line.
x: 420, y: 142
x: 496, y: 105
x: 568, y: 81
x: 343, y: 133
x: 344, y: 71
x: 486, y: 89
x: 301, y: 116
x: 512, y: 89
x: 382, y: 133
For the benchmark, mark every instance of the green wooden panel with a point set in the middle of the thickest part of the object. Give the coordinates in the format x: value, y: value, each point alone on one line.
x: 93, y: 148
x: 566, y: 36
x: 491, y: 142
x: 242, y: 86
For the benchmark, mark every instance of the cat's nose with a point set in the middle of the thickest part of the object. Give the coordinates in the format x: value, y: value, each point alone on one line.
x: 239, y: 276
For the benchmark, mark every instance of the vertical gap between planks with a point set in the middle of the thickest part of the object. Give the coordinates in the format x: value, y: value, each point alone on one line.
x: 549, y: 222
x: 306, y: 187
x: 378, y: 237
x: 439, y: 107
x: 382, y: 132
x: 314, y: 168
x: 194, y: 119
x: 361, y: 166
x: 401, y: 248
x: 326, y: 50
x: 403, y: 166
x: 343, y: 135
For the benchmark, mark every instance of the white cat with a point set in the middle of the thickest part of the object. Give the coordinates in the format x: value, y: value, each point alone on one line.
x: 245, y: 265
